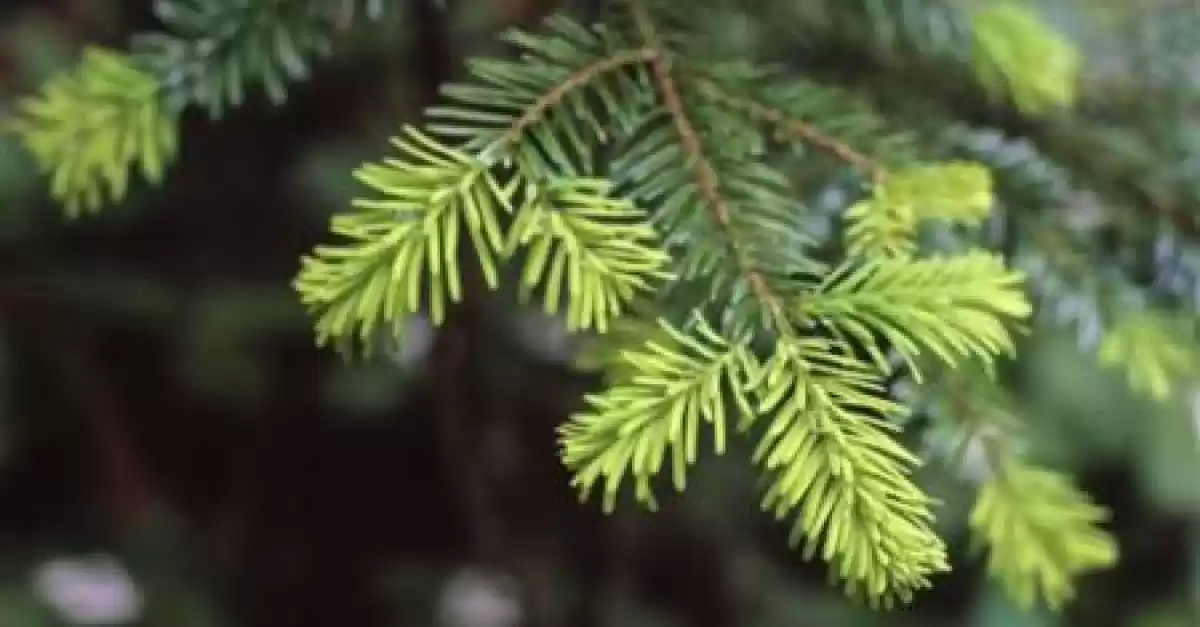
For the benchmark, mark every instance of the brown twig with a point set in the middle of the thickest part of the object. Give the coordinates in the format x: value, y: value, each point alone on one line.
x: 702, y: 169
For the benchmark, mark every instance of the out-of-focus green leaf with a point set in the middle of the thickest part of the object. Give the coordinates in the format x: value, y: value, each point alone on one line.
x: 19, y: 608
x: 1174, y: 613
x: 995, y: 609
x: 19, y: 184
x: 1154, y: 349
x: 372, y: 387
x: 1079, y: 413
x: 90, y: 127
x: 1169, y: 461
x: 223, y: 339
x: 1019, y: 55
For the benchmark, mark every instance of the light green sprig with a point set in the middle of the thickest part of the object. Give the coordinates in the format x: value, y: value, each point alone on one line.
x: 885, y: 224
x: 1018, y: 55
x: 87, y: 129
x: 1041, y: 533
x: 1154, y: 350
x: 831, y: 460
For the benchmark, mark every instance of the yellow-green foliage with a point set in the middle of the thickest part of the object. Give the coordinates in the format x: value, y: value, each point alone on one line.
x: 611, y: 171
x: 885, y: 223
x: 1153, y: 349
x: 1017, y: 54
x: 1041, y: 532
x: 953, y: 308
x: 598, y: 249
x: 514, y: 158
x: 89, y: 127
x: 405, y: 243
x: 674, y: 387
x: 834, y: 465
x: 118, y: 111
x: 403, y: 253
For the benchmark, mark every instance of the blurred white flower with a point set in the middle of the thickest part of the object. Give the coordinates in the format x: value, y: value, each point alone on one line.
x: 473, y: 598
x: 92, y: 590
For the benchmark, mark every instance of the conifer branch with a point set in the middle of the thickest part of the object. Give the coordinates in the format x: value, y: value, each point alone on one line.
x: 572, y: 88
x: 797, y: 128
x: 702, y: 170
x: 575, y: 80
x: 89, y: 128
x: 830, y: 457
x: 1039, y: 530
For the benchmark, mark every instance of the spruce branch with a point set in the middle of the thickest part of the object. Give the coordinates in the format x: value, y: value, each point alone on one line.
x: 702, y: 169
x: 1155, y: 349
x: 829, y: 455
x: 901, y: 197
x: 797, y: 128
x: 212, y: 50
x: 676, y: 383
x: 575, y: 80
x: 405, y: 241
x: 548, y: 109
x: 89, y: 128
x: 954, y: 307
x: 499, y: 149
x: 1040, y: 531
x: 885, y: 223
x: 598, y: 250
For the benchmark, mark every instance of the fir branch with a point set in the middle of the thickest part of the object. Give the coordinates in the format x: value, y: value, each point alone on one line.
x: 885, y: 224
x: 409, y: 238
x: 944, y: 71
x: 575, y: 80
x: 901, y: 197
x: 1155, y: 349
x: 213, y: 49
x: 547, y: 109
x: 597, y: 250
x: 953, y: 307
x: 798, y: 128
x: 594, y: 251
x: 88, y: 128
x: 1041, y: 532
x: 829, y: 455
x: 702, y: 170
x: 675, y: 384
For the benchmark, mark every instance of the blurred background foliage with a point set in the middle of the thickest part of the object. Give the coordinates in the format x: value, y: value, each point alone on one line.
x: 175, y: 452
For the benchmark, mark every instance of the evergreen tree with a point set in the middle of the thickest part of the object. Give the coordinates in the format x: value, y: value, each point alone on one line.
x: 810, y: 258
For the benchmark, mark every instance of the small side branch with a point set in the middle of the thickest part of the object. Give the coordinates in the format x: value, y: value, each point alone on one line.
x: 702, y: 169
x: 574, y: 81
x: 797, y: 128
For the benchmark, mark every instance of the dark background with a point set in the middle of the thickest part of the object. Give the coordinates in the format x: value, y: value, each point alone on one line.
x: 161, y: 401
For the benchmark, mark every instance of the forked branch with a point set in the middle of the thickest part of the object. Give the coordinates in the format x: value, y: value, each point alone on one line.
x: 573, y: 81
x: 702, y: 169
x: 801, y: 130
